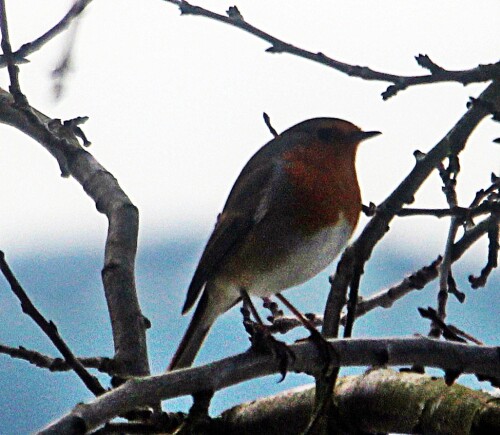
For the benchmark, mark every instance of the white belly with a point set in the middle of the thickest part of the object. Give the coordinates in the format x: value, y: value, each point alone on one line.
x: 310, y: 257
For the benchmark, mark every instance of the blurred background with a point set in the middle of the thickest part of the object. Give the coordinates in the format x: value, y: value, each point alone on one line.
x: 175, y: 110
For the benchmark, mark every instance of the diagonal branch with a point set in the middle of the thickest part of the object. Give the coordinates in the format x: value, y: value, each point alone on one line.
x: 387, y: 297
x: 50, y: 330
x: 360, y: 251
x: 33, y: 46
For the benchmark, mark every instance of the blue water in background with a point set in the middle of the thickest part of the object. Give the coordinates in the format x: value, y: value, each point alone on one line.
x: 67, y: 289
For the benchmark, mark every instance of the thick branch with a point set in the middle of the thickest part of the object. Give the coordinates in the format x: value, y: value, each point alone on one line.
x: 230, y: 371
x: 418, y: 404
x: 127, y: 321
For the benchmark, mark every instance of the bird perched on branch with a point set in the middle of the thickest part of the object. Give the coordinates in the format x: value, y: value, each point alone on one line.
x: 289, y: 214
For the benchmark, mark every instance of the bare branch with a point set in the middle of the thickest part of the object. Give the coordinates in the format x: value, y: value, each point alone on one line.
x: 493, y: 232
x: 378, y: 401
x: 230, y: 371
x: 362, y: 402
x: 267, y: 120
x: 486, y: 193
x: 426, y: 274
x: 15, y: 88
x: 480, y: 74
x: 464, y: 213
x: 361, y: 249
x: 387, y: 297
x: 439, y: 74
x: 50, y: 330
x: 103, y: 364
x: 438, y: 323
x: 30, y: 47
x: 127, y: 321
x: 60, y: 72
x: 283, y: 324
x: 448, y: 175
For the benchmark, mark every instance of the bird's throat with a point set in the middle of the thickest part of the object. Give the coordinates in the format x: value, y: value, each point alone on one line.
x: 324, y: 186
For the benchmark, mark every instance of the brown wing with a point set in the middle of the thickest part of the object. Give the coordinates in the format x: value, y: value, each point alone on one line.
x: 253, y: 191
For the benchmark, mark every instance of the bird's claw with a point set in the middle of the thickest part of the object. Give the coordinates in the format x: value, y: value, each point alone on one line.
x: 263, y: 342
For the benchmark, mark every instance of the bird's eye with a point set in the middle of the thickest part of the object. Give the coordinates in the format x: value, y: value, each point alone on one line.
x: 326, y: 134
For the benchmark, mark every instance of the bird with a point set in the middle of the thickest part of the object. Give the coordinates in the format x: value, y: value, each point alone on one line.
x: 290, y: 212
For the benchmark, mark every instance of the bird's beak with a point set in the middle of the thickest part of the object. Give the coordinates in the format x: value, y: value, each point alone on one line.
x: 363, y: 135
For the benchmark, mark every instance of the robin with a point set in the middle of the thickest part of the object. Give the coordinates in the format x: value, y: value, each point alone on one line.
x: 291, y: 211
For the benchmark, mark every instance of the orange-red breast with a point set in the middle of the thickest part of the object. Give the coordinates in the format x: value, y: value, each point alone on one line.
x: 289, y: 214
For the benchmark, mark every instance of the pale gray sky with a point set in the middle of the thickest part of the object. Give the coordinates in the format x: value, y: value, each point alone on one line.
x: 175, y: 106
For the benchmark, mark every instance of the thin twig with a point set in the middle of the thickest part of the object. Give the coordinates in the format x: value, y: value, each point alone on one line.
x: 325, y: 382
x: 15, y: 88
x: 479, y: 74
x: 33, y: 46
x: 485, y: 193
x: 267, y: 120
x: 284, y: 324
x: 103, y: 364
x: 461, y: 212
x: 461, y: 333
x: 304, y: 320
x: 437, y: 322
x: 448, y: 176
x: 50, y: 330
x: 60, y: 72
x: 386, y: 298
x: 352, y: 301
x: 493, y: 247
x: 490, y: 196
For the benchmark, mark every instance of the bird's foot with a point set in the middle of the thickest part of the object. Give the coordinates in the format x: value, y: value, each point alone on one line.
x: 263, y: 342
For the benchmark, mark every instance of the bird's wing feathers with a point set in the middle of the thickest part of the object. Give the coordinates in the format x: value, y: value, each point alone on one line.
x: 248, y: 203
x: 228, y: 230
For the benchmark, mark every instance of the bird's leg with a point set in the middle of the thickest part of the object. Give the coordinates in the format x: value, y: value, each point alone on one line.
x: 260, y: 337
x: 248, y: 305
x: 326, y: 350
x: 253, y: 327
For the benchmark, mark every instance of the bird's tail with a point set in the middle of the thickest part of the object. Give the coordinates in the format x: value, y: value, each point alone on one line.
x: 203, y: 318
